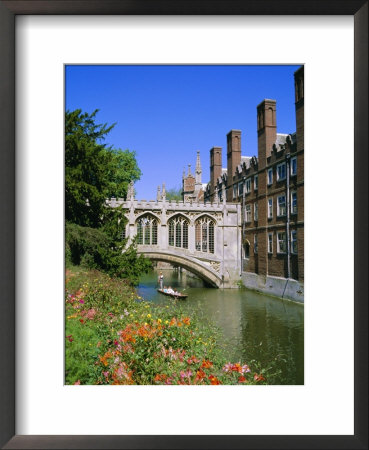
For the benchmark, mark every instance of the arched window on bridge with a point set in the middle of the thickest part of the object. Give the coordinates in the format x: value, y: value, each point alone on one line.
x: 147, y: 230
x: 178, y: 232
x: 204, y: 235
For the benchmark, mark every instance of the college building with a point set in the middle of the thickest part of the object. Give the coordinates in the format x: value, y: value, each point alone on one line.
x: 270, y: 189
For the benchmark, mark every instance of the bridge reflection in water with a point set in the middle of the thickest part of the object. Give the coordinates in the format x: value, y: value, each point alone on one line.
x: 255, y: 326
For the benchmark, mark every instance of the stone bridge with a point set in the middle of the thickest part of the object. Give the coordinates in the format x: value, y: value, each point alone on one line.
x: 204, y: 238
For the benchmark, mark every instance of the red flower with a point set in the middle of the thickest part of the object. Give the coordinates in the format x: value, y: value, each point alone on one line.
x: 206, y: 364
x: 214, y: 380
x: 200, y: 375
x: 242, y: 379
x: 258, y: 377
x: 81, y: 320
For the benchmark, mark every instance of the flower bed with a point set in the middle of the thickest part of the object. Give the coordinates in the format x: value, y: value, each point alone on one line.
x: 115, y: 337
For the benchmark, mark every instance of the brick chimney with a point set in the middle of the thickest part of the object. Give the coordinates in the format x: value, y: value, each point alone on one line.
x: 267, y: 129
x: 233, y: 159
x: 215, y: 168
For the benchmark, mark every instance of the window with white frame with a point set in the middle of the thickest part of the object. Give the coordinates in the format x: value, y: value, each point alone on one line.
x: 248, y: 185
x: 270, y: 208
x: 240, y: 188
x: 270, y: 242
x: 256, y: 211
x: 147, y: 230
x: 248, y: 213
x: 294, y: 241
x: 204, y: 234
x: 178, y: 232
x: 256, y: 182
x: 293, y: 166
x: 281, y: 205
x: 281, y: 172
x: 293, y: 202
x: 255, y: 243
x: 235, y: 191
x: 270, y: 176
x: 281, y: 242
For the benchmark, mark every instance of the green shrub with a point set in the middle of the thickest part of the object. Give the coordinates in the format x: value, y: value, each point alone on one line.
x: 96, y: 248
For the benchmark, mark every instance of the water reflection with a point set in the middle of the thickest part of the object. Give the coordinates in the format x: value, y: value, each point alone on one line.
x: 255, y: 326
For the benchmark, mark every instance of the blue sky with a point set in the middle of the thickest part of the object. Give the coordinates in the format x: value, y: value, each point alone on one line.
x: 166, y: 113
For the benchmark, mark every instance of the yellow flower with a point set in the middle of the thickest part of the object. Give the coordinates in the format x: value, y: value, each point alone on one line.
x: 159, y: 320
x: 146, y: 324
x: 149, y: 316
x: 166, y: 322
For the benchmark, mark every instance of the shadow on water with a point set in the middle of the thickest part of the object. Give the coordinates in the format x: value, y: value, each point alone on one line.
x: 255, y: 326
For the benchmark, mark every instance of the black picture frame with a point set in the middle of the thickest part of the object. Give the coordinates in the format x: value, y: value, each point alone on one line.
x: 8, y: 11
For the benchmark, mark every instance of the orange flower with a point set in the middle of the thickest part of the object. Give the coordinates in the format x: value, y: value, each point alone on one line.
x: 258, y: 377
x: 214, y: 380
x: 160, y: 377
x: 242, y: 379
x: 104, y: 359
x: 200, y: 375
x: 206, y: 364
x: 186, y: 320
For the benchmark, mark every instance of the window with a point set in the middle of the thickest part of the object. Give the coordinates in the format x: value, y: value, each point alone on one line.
x: 204, y: 235
x: 147, y: 230
x: 294, y: 241
x: 178, y: 232
x: 240, y: 188
x: 281, y: 242
x: 281, y: 172
x: 281, y: 205
x: 235, y: 191
x: 293, y: 166
x: 270, y: 176
x: 293, y: 202
x: 256, y: 208
x: 248, y: 185
x: 248, y: 213
x: 122, y: 234
x: 255, y: 243
x: 270, y: 242
x: 256, y: 182
x: 270, y: 208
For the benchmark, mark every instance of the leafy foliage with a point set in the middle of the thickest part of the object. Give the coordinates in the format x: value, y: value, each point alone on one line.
x: 174, y: 194
x: 93, y: 173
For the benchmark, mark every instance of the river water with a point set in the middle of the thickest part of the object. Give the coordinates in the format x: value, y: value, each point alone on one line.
x: 255, y: 326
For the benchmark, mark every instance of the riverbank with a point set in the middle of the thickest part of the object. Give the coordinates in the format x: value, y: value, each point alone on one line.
x: 112, y: 336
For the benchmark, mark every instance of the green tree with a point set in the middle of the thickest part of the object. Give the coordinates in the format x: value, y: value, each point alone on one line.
x: 93, y: 173
x: 174, y: 194
x: 124, y: 171
x: 93, y: 170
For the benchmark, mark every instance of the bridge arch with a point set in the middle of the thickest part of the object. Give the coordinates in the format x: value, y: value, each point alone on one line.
x: 200, y: 269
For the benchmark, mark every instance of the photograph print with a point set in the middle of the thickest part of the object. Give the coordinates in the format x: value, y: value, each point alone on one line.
x: 184, y: 225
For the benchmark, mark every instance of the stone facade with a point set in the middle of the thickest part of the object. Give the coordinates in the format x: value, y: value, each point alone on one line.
x: 202, y: 237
